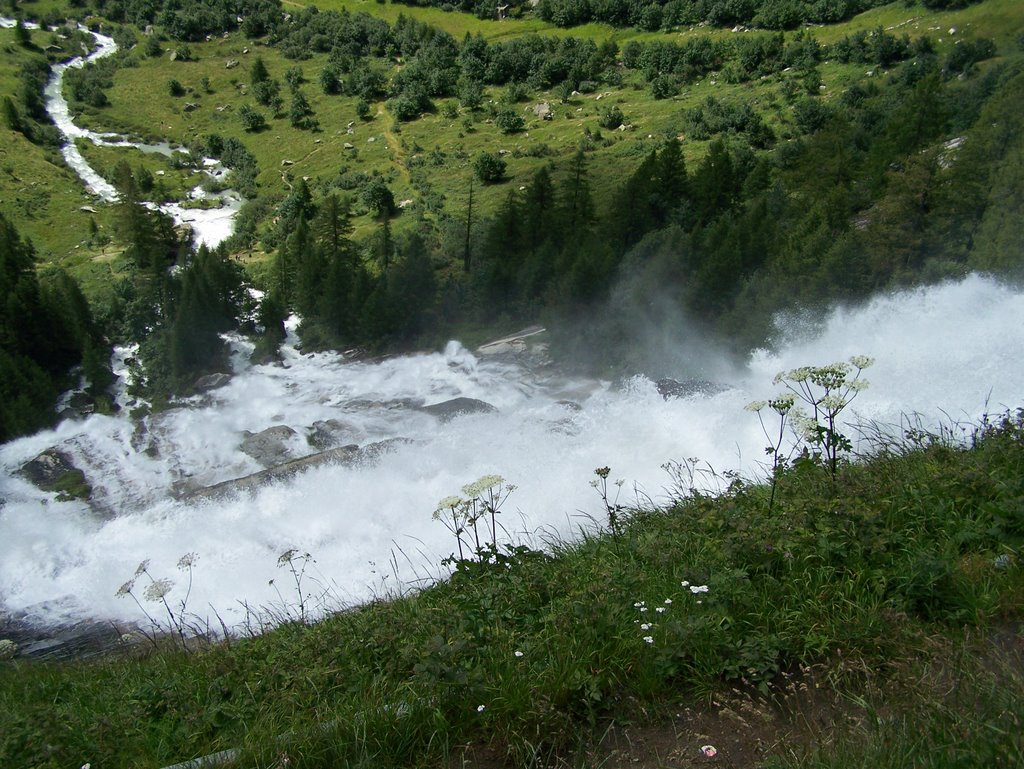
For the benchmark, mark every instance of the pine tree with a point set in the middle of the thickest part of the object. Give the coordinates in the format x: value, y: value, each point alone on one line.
x: 578, y: 202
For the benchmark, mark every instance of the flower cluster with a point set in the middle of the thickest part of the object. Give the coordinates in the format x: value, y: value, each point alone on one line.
x: 7, y: 648
x: 462, y: 514
x: 695, y: 589
x: 646, y: 625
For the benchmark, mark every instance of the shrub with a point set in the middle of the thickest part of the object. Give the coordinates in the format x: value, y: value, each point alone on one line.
x: 252, y: 119
x: 489, y: 168
x: 509, y: 121
x: 611, y: 118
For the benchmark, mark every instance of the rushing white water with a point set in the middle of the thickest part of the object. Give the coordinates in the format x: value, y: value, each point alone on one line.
x: 951, y: 351
x: 209, y: 225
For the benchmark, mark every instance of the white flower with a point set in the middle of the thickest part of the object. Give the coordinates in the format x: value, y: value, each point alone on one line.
x: 833, y: 404
x: 699, y: 602
x: 646, y: 626
x: 7, y: 648
x: 125, y: 589
x: 643, y: 608
x: 782, y: 404
x: 638, y: 604
x: 685, y: 583
x: 446, y: 505
x: 156, y: 590
x: 660, y: 609
x: 695, y: 589
x: 648, y: 639
x: 668, y: 601
x: 518, y: 653
x: 480, y: 485
x: 861, y: 361
x: 755, y: 405
x: 187, y: 561
x: 480, y: 708
x: 142, y: 567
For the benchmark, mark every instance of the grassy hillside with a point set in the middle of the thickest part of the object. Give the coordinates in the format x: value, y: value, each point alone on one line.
x: 37, y: 190
x: 426, y: 161
x: 833, y: 599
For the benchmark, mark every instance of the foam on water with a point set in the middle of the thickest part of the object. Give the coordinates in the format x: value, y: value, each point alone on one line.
x: 948, y: 350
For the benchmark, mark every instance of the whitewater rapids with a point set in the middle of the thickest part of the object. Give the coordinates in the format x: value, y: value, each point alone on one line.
x: 950, y: 352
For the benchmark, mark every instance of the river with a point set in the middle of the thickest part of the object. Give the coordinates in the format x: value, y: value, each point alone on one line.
x: 948, y: 353
x: 209, y: 225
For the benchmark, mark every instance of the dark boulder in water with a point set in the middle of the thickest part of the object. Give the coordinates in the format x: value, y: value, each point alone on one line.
x: 330, y: 433
x: 53, y: 470
x: 673, y: 388
x: 269, y: 447
x: 78, y: 640
x: 448, y: 410
x: 210, y: 382
x: 343, y: 455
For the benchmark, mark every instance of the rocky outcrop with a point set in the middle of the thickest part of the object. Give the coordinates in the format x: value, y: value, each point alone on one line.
x: 528, y: 341
x: 269, y: 447
x: 448, y: 410
x: 79, y: 640
x: 343, y: 455
x: 673, y: 388
x: 53, y: 470
x: 330, y: 433
x: 210, y: 382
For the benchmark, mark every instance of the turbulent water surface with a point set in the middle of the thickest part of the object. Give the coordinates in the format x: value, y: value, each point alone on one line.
x: 950, y: 352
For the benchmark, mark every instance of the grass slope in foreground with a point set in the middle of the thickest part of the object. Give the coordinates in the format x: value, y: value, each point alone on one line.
x: 844, y: 583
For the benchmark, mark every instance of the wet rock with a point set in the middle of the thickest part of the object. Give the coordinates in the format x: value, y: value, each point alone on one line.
x: 79, y: 640
x: 210, y: 382
x: 53, y: 470
x: 79, y: 405
x: 329, y: 433
x: 269, y: 447
x: 528, y: 342
x: 448, y: 410
x: 343, y: 455
x: 365, y: 404
x: 143, y: 440
x: 673, y: 388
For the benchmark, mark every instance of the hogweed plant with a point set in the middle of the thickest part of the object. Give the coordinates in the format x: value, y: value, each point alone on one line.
x: 826, y: 391
x: 782, y: 406
x: 157, y: 590
x: 297, y: 563
x: 473, y: 519
x: 615, y: 511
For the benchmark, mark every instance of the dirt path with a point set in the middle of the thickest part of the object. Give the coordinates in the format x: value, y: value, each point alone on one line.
x: 395, y: 147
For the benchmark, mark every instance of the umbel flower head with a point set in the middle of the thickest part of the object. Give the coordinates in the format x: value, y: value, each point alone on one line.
x: 482, y: 485
x: 448, y: 505
x: 187, y: 561
x: 157, y: 589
